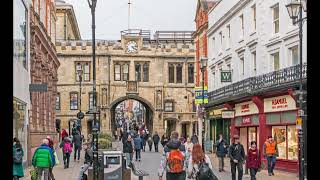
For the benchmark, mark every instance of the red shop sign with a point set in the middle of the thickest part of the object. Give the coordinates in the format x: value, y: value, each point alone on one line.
x: 246, y: 120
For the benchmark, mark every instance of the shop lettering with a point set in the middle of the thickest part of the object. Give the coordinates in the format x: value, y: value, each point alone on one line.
x: 245, y: 108
x: 279, y: 103
x: 246, y: 120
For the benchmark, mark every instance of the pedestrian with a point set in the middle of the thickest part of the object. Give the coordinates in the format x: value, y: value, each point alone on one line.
x: 51, y: 176
x: 237, y: 157
x: 164, y: 140
x: 43, y: 159
x: 77, y: 143
x: 270, y: 151
x: 137, y: 147
x: 144, y: 138
x: 173, y: 159
x: 196, y: 161
x: 150, y: 142
x: 66, y: 146
x: 64, y: 134
x: 182, y: 139
x: 18, y: 154
x: 127, y: 142
x: 253, y: 160
x: 221, y: 151
x: 156, y: 139
x: 194, y: 139
x: 189, y: 146
x: 88, y: 160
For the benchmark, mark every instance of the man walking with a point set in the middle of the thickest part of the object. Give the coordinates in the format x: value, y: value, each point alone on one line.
x: 270, y: 151
x: 237, y: 157
x: 156, y: 139
x: 173, y: 160
x: 137, y: 146
x: 221, y: 152
x: 43, y: 159
x: 77, y: 146
x: 127, y: 142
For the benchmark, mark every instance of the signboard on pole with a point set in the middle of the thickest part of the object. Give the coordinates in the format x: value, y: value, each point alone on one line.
x: 299, y: 123
x: 226, y: 76
x: 198, y: 95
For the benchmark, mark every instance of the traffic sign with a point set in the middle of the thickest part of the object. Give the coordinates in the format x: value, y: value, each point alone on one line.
x: 299, y: 123
x: 80, y: 115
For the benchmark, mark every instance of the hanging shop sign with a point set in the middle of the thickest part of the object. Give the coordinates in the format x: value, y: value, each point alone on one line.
x: 226, y: 76
x: 198, y: 95
x: 228, y: 114
x: 280, y: 103
x: 246, y: 108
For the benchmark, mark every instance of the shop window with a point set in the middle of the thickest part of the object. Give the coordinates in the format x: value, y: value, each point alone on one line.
x: 287, y: 141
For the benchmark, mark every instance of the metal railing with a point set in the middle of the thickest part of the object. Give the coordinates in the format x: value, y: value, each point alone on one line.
x: 282, y: 78
x: 173, y: 35
x: 145, y: 34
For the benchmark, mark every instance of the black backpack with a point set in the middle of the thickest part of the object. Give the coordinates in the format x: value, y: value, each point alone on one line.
x: 205, y: 173
x: 17, y: 158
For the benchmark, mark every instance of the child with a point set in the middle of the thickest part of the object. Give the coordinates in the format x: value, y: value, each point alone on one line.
x: 253, y: 160
x: 150, y: 143
x: 67, y: 149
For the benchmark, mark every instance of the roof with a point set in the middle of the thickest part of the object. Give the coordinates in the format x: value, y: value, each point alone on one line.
x: 205, y: 5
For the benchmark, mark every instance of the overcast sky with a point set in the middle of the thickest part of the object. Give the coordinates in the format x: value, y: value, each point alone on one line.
x: 112, y: 16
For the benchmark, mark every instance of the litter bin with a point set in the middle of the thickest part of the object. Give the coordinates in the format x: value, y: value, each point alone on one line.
x: 112, y: 162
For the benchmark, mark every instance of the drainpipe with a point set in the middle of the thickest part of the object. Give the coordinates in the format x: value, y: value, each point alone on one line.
x: 65, y: 26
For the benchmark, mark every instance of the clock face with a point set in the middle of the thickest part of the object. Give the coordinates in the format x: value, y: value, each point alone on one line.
x: 132, y: 47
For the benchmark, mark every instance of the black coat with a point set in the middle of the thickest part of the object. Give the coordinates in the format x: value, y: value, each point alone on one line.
x: 221, y: 150
x: 236, y: 151
x: 127, y: 145
x: 156, y: 138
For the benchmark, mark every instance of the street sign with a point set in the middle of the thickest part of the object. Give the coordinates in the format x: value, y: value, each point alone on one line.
x: 299, y: 123
x: 226, y: 76
x: 38, y: 87
x: 80, y: 115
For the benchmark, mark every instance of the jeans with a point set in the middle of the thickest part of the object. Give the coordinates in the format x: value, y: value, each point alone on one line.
x: 156, y: 147
x: 138, y: 154
x: 253, y: 173
x: 83, y: 169
x: 150, y: 147
x: 66, y: 159
x: 271, y: 163
x: 76, y: 149
x: 45, y: 173
x: 51, y: 176
x: 238, y: 165
x: 128, y: 158
x: 221, y: 163
x: 176, y: 176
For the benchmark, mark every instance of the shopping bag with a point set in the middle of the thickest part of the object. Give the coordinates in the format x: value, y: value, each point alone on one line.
x: 56, y: 158
x: 34, y: 174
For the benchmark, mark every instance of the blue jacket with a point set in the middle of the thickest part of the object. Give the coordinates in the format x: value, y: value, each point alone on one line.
x: 137, y: 142
x: 221, y: 150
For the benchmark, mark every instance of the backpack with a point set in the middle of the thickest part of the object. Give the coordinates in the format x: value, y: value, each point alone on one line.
x: 205, y: 173
x: 175, y: 161
x: 17, y: 157
x: 67, y: 147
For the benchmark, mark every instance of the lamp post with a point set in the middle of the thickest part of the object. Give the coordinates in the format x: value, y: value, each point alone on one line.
x: 95, y: 129
x: 203, y: 66
x: 295, y: 9
x: 80, y: 115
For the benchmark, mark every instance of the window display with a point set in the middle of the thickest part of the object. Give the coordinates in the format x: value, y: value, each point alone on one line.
x: 287, y: 141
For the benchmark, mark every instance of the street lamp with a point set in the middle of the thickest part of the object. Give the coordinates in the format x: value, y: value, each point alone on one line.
x: 80, y: 71
x: 203, y: 66
x: 295, y: 12
x: 95, y: 129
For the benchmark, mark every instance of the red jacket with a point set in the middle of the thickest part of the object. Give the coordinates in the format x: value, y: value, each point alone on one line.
x: 64, y: 134
x: 253, y: 159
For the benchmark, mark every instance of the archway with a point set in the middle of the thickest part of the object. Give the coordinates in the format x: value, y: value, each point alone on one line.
x: 131, y: 117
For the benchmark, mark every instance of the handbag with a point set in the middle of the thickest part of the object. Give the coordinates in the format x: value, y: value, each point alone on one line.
x: 34, y: 174
x: 56, y: 158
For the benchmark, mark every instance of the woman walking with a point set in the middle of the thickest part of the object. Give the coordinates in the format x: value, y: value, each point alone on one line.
x: 196, y: 160
x: 17, y: 159
x: 253, y: 160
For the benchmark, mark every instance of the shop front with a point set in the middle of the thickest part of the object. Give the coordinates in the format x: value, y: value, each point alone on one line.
x: 281, y: 115
x: 218, y: 125
x: 246, y: 123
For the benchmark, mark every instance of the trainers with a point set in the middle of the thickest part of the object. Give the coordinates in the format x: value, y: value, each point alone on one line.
x: 269, y: 174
